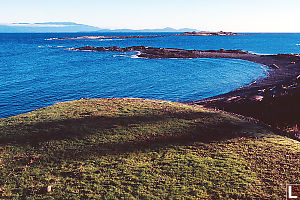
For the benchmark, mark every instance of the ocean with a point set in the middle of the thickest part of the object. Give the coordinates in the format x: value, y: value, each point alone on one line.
x: 36, y: 70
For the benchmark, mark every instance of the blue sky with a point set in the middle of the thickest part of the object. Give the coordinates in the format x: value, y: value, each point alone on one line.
x: 214, y: 15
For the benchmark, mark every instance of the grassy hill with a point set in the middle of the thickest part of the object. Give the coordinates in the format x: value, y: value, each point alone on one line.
x: 142, y: 149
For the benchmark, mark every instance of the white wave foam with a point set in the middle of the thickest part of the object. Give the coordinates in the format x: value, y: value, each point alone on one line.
x: 72, y: 48
x: 134, y: 56
x: 137, y: 55
x: 120, y: 56
x: 50, y: 46
x: 44, y: 46
x: 110, y: 39
x: 298, y: 44
x: 52, y: 39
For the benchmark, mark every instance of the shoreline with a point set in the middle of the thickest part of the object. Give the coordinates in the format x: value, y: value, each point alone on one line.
x: 273, y: 100
x: 284, y: 66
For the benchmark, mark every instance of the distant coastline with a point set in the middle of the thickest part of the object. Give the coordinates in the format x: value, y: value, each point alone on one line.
x: 71, y: 27
x: 194, y: 33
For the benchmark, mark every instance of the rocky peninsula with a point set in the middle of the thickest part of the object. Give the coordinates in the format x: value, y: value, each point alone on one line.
x: 273, y: 100
x: 202, y: 33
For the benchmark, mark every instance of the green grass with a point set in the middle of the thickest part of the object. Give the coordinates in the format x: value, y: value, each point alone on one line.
x: 142, y: 149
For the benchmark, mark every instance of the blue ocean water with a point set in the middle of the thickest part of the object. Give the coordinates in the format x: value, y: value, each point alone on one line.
x: 36, y: 71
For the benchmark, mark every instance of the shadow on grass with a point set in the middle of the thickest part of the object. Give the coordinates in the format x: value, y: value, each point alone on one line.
x: 66, y: 129
x: 217, y: 128
x: 207, y: 134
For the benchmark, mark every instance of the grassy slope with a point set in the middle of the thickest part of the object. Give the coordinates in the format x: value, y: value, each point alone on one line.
x: 134, y: 148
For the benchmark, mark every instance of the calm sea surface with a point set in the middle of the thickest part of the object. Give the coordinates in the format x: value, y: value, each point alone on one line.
x: 36, y: 71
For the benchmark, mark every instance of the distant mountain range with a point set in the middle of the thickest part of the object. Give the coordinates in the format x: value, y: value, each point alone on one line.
x: 69, y: 27
x: 167, y: 29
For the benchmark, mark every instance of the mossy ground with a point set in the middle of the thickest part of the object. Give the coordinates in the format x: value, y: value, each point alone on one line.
x: 142, y: 149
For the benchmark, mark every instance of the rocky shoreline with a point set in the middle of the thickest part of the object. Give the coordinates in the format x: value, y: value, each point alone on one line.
x: 273, y: 100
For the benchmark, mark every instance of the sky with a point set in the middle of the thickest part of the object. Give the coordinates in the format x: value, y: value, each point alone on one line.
x: 208, y: 15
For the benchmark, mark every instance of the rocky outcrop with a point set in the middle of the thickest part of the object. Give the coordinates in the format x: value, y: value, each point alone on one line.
x: 273, y: 61
x: 154, y: 52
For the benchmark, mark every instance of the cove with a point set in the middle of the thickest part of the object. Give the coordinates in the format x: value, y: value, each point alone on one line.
x: 73, y: 75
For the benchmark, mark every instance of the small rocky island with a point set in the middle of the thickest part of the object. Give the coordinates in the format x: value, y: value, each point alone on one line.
x: 273, y: 100
x: 207, y: 33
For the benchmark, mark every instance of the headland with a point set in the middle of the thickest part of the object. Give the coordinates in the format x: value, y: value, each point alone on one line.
x: 106, y: 147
